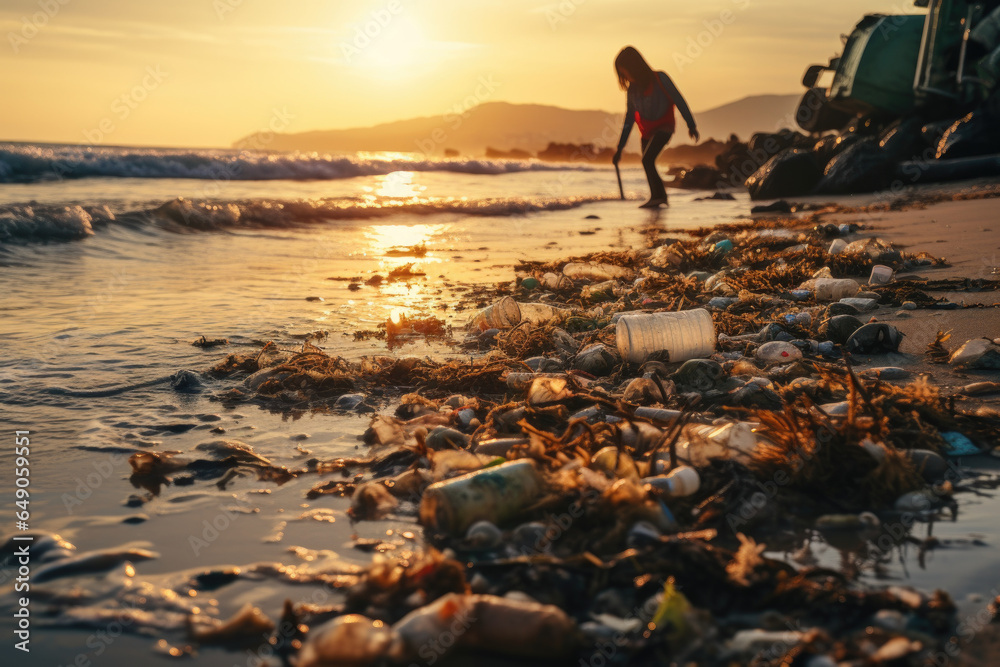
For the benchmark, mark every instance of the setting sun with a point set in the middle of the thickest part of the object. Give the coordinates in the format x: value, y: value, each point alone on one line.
x: 394, y: 49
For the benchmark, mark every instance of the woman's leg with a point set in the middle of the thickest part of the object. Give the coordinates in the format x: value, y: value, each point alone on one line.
x: 651, y: 148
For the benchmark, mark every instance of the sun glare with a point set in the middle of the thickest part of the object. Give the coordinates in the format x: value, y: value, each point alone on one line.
x: 396, y: 49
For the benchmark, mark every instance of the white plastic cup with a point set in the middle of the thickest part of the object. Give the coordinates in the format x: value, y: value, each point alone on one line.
x: 503, y: 314
x: 835, y: 289
x: 688, y: 334
x: 881, y: 274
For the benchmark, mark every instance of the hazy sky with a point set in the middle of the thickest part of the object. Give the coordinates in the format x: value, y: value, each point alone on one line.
x: 205, y: 72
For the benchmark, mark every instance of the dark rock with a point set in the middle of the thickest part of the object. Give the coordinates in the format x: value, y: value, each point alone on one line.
x: 701, y: 177
x: 830, y: 147
x: 512, y: 154
x: 929, y: 464
x: 838, y: 329
x: 780, y: 206
x: 775, y: 142
x: 698, y: 374
x: 976, y: 134
x: 596, y: 359
x: 902, y: 139
x: 721, y: 196
x: 861, y: 167
x: 736, y: 164
x: 186, y: 381
x: 841, y: 309
x: 790, y: 173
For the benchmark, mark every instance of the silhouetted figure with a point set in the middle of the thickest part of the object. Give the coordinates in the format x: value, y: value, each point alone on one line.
x: 652, y: 97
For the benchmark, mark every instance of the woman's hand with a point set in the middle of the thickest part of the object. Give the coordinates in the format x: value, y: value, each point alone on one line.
x: 694, y: 134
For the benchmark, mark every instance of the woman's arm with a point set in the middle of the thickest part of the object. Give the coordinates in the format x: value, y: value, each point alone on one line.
x: 680, y: 103
x: 626, y: 130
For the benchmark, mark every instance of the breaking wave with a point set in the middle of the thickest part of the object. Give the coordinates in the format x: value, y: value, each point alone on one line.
x: 29, y: 163
x: 34, y: 223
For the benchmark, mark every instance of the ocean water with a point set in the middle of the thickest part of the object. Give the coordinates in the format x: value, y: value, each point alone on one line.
x: 112, y: 261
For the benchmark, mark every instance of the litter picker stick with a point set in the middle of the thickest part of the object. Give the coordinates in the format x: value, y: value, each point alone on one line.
x: 618, y: 173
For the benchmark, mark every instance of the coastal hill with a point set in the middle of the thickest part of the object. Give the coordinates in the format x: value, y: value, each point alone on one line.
x: 531, y: 127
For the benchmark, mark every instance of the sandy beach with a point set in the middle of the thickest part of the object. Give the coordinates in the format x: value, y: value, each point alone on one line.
x: 582, y: 334
x: 287, y: 519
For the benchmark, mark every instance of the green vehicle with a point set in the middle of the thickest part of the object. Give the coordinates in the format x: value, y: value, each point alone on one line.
x: 937, y: 62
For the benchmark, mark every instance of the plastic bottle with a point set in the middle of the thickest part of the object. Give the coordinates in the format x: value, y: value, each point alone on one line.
x: 596, y: 292
x: 503, y: 314
x: 680, y: 482
x: 542, y: 313
x: 555, y: 281
x: 487, y: 624
x: 835, y: 289
x: 704, y: 443
x: 497, y: 494
x: 596, y: 272
x: 499, y: 446
x: 661, y: 414
x: 684, y: 335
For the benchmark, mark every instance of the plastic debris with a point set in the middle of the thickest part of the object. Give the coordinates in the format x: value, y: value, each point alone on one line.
x: 958, y: 444
x: 496, y: 494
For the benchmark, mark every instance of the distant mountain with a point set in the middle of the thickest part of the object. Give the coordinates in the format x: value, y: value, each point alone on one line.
x: 758, y: 113
x: 505, y: 126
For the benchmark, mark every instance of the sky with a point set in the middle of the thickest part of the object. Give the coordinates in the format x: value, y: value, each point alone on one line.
x: 206, y: 72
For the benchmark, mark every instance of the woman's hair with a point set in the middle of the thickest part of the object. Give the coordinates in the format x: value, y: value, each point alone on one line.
x: 631, y: 60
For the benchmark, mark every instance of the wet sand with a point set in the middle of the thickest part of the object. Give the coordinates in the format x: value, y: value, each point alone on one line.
x: 963, y: 572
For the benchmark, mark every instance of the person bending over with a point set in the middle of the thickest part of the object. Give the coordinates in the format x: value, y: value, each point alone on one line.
x: 651, y: 97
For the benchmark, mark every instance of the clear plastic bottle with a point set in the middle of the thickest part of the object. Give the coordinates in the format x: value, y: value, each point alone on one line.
x: 542, y: 313
x: 688, y: 334
x: 835, y: 289
x: 596, y: 272
x: 503, y: 314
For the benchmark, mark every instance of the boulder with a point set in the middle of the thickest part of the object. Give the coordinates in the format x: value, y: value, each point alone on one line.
x: 861, y: 167
x: 976, y: 134
x: 793, y: 172
x: 701, y: 177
